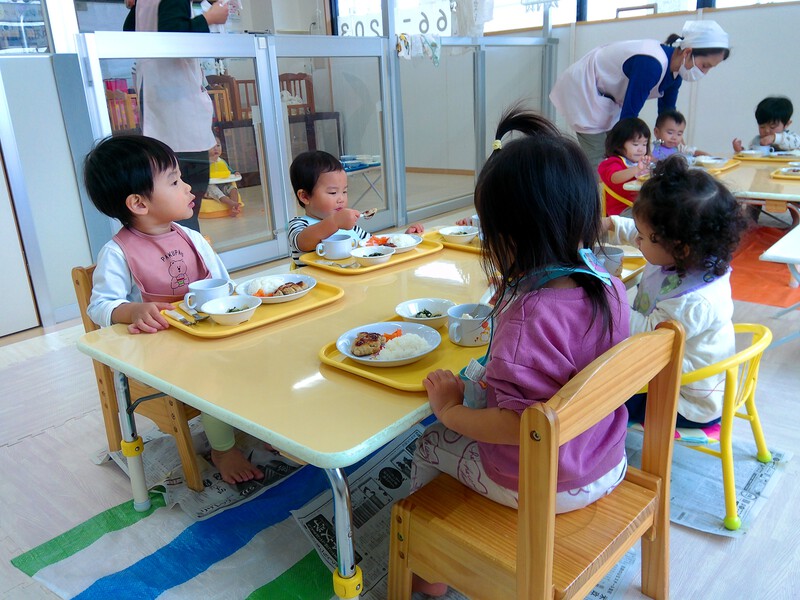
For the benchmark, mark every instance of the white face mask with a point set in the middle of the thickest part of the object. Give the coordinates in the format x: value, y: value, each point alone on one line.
x: 690, y: 75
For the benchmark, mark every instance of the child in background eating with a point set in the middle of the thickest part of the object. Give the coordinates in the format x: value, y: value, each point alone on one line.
x: 687, y: 226
x: 773, y: 115
x: 627, y: 147
x: 320, y: 186
x: 537, y: 202
x: 150, y: 262
x: 228, y: 194
x: 668, y: 134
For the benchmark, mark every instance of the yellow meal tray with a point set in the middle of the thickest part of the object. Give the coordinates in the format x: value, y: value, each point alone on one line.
x: 631, y: 267
x: 733, y: 162
x: 424, y: 248
x: 769, y: 158
x: 776, y: 174
x: 320, y: 295
x: 434, y: 236
x: 407, y: 378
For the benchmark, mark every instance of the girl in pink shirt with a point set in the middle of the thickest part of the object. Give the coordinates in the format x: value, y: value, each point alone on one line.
x: 557, y: 311
x: 627, y: 157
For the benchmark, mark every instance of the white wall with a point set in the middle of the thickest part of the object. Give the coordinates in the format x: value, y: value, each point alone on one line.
x: 49, y: 177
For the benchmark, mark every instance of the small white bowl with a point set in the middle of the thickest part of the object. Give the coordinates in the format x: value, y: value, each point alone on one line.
x: 459, y: 234
x: 710, y: 161
x: 231, y: 310
x: 372, y: 255
x: 437, y: 306
x: 794, y: 163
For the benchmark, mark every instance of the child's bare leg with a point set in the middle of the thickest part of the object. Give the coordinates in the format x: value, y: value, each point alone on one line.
x: 234, y: 467
x: 236, y: 207
x: 418, y: 584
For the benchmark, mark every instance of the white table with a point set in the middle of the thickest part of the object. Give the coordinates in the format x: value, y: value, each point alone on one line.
x: 786, y: 251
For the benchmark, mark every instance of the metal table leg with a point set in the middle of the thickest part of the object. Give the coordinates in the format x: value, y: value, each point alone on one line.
x: 347, y: 579
x: 132, y: 444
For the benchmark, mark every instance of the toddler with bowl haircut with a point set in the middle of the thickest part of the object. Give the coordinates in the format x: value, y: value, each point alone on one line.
x: 152, y: 260
x: 773, y: 115
x: 668, y: 134
x: 320, y: 186
x: 687, y: 225
x: 536, y: 198
x: 627, y: 148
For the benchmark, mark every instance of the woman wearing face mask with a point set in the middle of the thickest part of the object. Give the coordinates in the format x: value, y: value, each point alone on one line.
x: 613, y: 81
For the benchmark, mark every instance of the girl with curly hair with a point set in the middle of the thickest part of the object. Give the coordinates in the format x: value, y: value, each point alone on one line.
x: 687, y: 226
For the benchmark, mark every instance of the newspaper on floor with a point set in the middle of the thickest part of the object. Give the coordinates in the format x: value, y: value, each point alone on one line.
x: 697, y: 496
x: 374, y: 487
x: 163, y: 471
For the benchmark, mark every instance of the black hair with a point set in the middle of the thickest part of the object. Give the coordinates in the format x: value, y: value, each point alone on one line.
x: 123, y: 165
x: 624, y: 130
x: 307, y: 167
x: 693, y: 216
x: 774, y: 108
x: 670, y: 114
x: 726, y: 52
x: 538, y: 205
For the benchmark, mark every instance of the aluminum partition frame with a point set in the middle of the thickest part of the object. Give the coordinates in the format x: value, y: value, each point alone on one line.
x: 94, y: 47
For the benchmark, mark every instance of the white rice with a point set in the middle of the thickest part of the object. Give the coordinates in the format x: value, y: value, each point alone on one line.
x: 401, y: 240
x: 266, y: 285
x: 404, y: 346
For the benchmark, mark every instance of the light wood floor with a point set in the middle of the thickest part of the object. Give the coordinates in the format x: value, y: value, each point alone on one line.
x: 50, y: 424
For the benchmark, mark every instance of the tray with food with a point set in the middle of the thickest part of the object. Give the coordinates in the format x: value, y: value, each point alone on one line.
x: 786, y: 173
x: 457, y: 238
x: 281, y: 297
x: 631, y: 267
x: 398, y: 354
x: 404, y: 246
x: 777, y: 156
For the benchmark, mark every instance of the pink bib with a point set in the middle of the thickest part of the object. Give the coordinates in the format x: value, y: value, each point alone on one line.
x: 162, y: 265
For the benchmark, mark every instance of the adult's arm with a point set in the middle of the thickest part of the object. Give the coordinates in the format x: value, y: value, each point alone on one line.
x: 643, y: 73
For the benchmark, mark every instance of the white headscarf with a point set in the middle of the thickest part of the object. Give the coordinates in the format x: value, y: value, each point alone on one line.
x: 703, y: 34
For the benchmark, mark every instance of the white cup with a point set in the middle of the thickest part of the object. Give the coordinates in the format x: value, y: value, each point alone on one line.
x: 472, y: 330
x: 337, y: 246
x: 204, y: 290
x: 611, y: 258
x: 764, y: 150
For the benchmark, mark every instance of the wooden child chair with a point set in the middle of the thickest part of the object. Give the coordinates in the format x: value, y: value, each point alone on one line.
x: 170, y: 415
x: 741, y: 378
x: 445, y: 532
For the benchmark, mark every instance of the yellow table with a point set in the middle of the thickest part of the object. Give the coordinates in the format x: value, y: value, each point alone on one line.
x: 751, y: 183
x: 270, y: 383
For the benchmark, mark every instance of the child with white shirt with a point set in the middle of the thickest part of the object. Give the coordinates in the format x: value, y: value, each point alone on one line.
x: 773, y: 115
x: 687, y: 225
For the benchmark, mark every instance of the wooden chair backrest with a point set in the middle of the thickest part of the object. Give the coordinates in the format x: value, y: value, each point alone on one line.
x: 229, y: 83
x: 301, y: 86
x: 653, y: 358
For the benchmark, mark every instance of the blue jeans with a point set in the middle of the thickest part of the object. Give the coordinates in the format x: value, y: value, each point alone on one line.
x: 636, y: 406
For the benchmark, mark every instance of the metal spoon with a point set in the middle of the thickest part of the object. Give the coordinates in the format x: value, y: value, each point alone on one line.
x: 330, y: 263
x: 192, y: 312
x: 179, y: 317
x: 368, y: 214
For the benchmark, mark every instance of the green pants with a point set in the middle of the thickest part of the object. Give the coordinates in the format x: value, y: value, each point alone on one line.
x: 220, y: 434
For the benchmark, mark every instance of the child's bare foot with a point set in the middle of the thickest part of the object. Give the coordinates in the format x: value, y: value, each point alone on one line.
x: 418, y: 584
x: 234, y: 467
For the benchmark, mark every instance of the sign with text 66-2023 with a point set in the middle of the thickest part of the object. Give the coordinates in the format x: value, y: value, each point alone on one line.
x: 364, y: 19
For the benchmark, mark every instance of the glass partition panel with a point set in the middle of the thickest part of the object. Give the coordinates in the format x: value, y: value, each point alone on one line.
x: 439, y: 128
x: 334, y: 105
x: 235, y: 211
x: 22, y: 27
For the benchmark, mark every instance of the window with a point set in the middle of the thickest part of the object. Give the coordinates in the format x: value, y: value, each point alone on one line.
x: 598, y: 10
x: 733, y: 3
x: 519, y: 14
x: 22, y: 27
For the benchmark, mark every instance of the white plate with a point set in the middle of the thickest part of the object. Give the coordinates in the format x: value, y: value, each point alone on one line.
x: 783, y: 153
x: 286, y: 278
x: 750, y: 153
x: 398, y: 249
x: 711, y: 161
x: 430, y: 335
x: 793, y: 171
x: 228, y: 179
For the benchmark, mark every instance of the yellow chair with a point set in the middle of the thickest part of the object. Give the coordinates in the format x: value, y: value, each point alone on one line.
x: 170, y: 415
x: 741, y: 377
x: 445, y: 532
x: 607, y: 191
